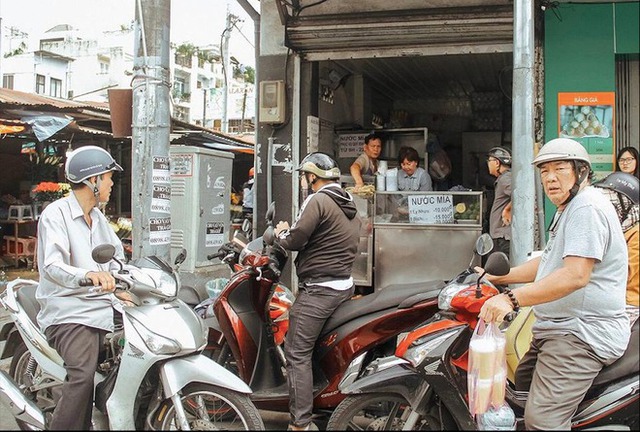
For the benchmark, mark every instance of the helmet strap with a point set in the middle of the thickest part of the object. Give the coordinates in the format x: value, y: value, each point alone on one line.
x: 576, y: 186
x: 95, y: 187
x: 312, y: 182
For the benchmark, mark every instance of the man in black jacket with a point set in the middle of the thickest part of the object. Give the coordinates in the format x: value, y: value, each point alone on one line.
x: 325, y: 234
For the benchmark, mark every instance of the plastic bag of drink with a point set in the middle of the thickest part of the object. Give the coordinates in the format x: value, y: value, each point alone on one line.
x: 487, y: 374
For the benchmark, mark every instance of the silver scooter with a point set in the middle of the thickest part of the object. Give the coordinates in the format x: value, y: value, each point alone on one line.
x: 152, y: 376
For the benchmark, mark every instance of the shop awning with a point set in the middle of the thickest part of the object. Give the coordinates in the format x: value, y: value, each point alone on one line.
x: 399, y: 33
x: 8, y: 127
x: 211, y: 140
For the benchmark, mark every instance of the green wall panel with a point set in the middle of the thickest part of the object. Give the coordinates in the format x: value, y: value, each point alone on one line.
x: 627, y: 27
x: 579, y: 57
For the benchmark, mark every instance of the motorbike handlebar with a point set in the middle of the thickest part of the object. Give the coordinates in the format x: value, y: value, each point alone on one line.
x: 274, y: 268
x: 86, y: 282
x: 222, y: 252
x: 510, y: 316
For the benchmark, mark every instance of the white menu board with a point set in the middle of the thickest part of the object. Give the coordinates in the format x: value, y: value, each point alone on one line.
x: 430, y: 209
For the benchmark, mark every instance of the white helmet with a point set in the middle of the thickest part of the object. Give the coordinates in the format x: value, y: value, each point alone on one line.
x: 565, y: 149
x: 562, y: 149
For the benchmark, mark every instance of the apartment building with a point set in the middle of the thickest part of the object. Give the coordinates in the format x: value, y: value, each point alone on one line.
x: 65, y: 63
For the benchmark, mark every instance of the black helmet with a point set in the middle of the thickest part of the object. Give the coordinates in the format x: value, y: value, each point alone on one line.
x: 502, y: 154
x: 320, y: 164
x: 88, y: 161
x: 623, y: 183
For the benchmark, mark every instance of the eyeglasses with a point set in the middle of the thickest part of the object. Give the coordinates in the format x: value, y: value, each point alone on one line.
x: 626, y: 160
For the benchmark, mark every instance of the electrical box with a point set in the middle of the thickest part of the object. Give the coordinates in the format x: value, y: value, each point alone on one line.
x: 272, y: 102
x: 200, y: 200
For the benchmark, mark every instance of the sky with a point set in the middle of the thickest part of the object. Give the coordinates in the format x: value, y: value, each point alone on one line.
x: 199, y: 22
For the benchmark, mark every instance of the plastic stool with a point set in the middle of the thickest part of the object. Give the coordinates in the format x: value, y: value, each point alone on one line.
x: 20, y: 212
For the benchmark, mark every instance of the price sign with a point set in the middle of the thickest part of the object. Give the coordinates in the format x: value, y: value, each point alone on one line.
x: 350, y: 145
x: 431, y: 209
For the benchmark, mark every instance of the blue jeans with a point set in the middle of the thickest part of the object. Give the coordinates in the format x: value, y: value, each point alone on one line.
x: 314, y: 305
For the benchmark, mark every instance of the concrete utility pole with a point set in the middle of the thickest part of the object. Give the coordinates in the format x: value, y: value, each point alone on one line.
x: 151, y: 185
x: 523, y: 222
x: 227, y: 72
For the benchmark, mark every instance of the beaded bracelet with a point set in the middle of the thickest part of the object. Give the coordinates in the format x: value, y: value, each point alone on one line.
x: 514, y: 300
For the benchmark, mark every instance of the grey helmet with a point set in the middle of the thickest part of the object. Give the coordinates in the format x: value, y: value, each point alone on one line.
x: 502, y: 154
x: 320, y: 164
x: 88, y: 161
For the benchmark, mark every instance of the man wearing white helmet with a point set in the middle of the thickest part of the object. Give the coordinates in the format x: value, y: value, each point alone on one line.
x: 75, y: 321
x: 577, y: 290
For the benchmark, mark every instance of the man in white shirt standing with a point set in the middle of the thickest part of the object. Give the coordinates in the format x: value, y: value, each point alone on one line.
x: 75, y: 322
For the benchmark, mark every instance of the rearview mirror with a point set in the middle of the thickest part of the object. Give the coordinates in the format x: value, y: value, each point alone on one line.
x: 246, y: 225
x: 484, y: 244
x: 271, y: 212
x: 497, y: 264
x: 182, y: 256
x: 269, y: 236
x: 103, y: 253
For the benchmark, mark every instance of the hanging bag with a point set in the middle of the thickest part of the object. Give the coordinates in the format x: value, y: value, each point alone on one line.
x: 487, y: 375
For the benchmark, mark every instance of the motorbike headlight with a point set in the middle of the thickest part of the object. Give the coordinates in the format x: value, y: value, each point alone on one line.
x: 422, y: 347
x: 448, y: 293
x: 155, y: 343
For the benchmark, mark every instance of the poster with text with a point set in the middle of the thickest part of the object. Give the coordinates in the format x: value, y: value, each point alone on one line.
x: 589, y: 118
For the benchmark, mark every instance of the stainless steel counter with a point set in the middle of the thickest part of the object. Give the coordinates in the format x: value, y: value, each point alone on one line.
x: 420, y: 236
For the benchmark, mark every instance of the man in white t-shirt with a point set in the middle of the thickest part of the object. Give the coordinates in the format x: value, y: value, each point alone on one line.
x: 577, y: 290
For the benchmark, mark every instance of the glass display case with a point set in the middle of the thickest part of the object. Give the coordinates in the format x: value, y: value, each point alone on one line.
x: 428, y: 208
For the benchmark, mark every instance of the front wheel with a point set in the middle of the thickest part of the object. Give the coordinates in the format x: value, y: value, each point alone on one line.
x: 378, y: 412
x: 209, y: 407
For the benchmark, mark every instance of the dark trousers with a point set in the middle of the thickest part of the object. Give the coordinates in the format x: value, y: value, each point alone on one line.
x: 557, y: 371
x: 79, y: 346
x: 314, y: 305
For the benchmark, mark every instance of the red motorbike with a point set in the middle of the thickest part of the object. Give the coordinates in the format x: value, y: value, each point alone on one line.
x: 427, y: 387
x: 360, y: 331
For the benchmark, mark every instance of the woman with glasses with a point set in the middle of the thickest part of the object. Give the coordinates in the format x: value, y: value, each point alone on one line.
x: 628, y: 161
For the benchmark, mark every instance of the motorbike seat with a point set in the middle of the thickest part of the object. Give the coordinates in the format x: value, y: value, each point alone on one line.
x: 389, y: 297
x: 27, y: 299
x: 625, y: 365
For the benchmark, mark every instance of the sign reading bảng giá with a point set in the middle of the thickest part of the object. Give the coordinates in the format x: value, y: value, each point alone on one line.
x: 430, y: 209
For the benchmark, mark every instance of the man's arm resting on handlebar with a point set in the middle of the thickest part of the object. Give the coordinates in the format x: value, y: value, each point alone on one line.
x: 573, y: 275
x: 524, y: 273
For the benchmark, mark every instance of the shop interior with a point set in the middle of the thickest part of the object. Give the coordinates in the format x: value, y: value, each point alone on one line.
x: 463, y: 100
x: 452, y: 109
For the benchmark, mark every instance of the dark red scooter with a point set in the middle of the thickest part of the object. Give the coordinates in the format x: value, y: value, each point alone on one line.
x: 360, y: 331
